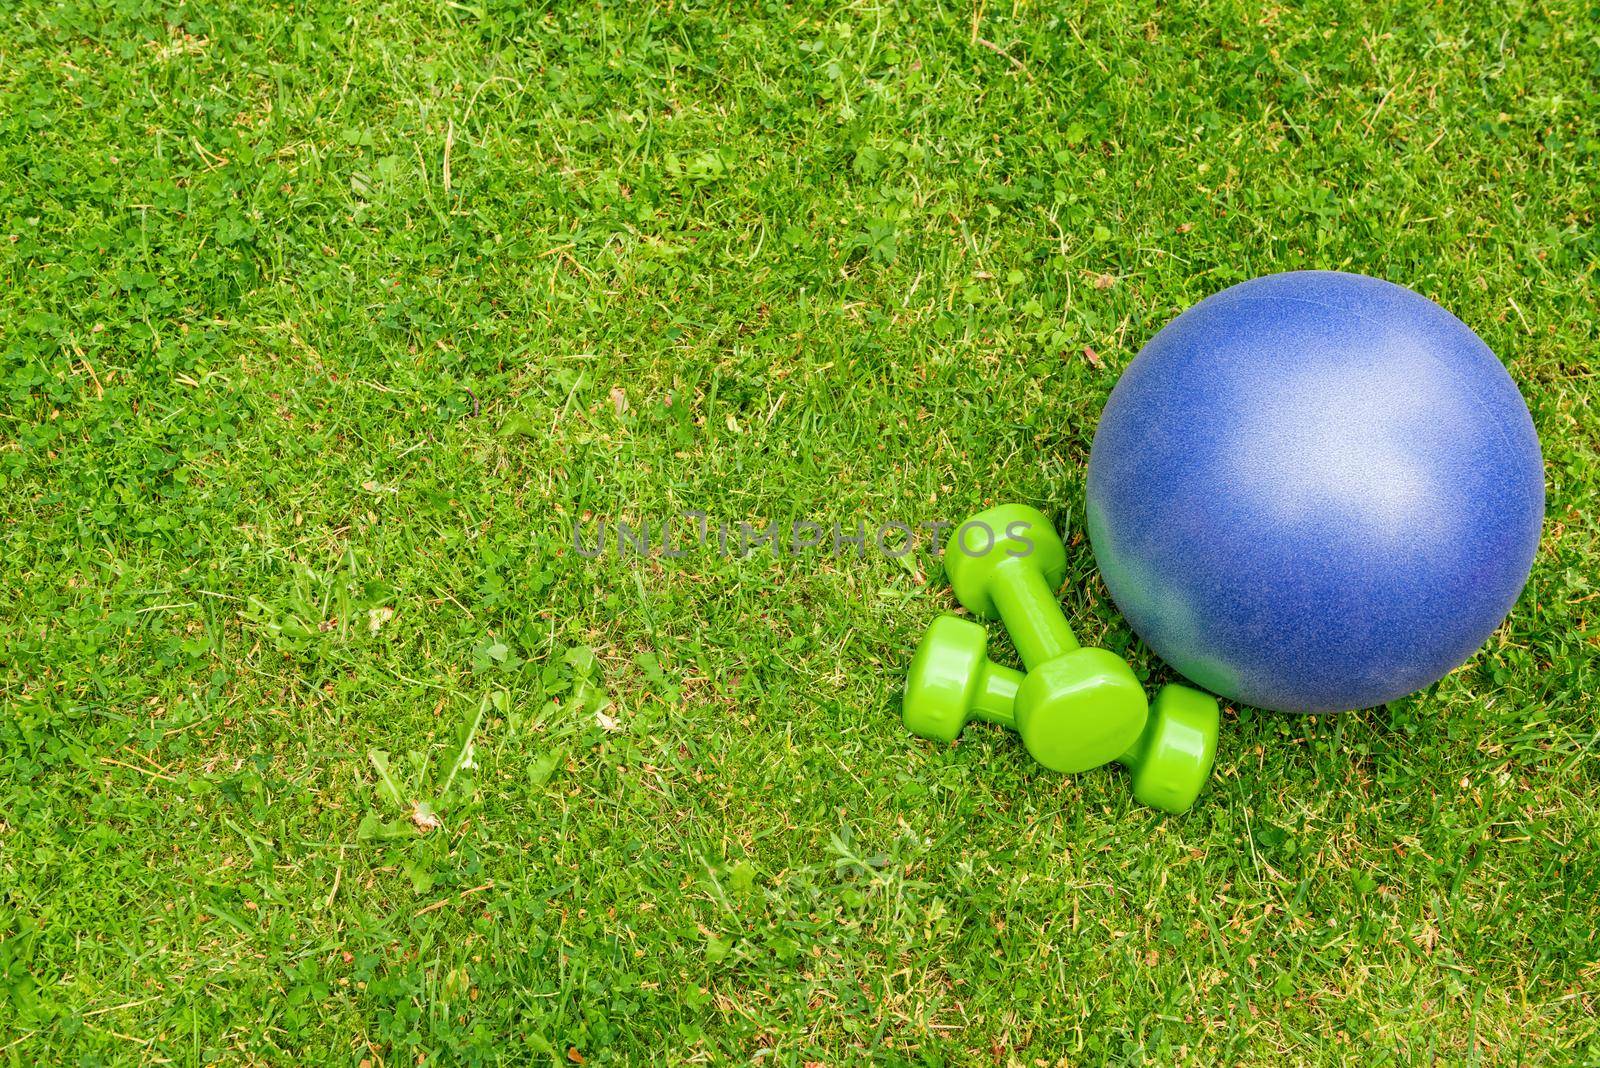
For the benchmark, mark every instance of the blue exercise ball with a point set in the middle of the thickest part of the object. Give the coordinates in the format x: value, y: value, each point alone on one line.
x: 1315, y: 491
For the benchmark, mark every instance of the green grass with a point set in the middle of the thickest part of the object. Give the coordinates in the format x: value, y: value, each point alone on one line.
x: 314, y: 312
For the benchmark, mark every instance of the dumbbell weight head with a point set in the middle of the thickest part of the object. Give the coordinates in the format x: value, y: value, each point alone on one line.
x: 1172, y: 759
x: 1073, y: 713
x: 1080, y: 709
x: 951, y: 679
x: 995, y: 542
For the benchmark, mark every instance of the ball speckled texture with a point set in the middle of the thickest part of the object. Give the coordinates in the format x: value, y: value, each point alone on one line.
x: 1315, y: 491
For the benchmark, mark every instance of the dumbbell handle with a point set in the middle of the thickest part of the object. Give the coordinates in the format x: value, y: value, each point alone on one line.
x: 1031, y: 613
x: 996, y: 696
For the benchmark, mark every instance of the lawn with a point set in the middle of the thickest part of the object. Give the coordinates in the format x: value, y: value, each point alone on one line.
x: 321, y: 326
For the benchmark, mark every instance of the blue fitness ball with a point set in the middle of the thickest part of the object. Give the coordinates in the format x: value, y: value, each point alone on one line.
x: 1315, y: 491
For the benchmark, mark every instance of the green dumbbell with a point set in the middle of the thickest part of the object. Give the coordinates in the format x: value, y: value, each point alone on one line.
x: 953, y: 681
x: 1077, y: 708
